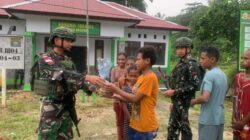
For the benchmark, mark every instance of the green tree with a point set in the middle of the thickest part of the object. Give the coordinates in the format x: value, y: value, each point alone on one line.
x: 216, y: 24
x: 244, y: 4
x: 160, y: 15
x: 219, y: 25
x: 193, y: 12
x: 192, y: 7
x: 188, y: 13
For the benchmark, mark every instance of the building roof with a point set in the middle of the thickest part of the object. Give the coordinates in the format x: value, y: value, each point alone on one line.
x: 96, y: 10
x: 148, y: 21
x: 10, y: 2
x: 71, y: 8
x: 4, y: 14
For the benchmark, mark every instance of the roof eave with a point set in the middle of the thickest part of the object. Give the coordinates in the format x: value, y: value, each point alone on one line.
x: 160, y: 28
x: 4, y: 16
x: 69, y: 15
x: 7, y: 14
x: 10, y: 16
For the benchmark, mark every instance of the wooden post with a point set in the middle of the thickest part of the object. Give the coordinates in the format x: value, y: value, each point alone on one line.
x: 4, y: 87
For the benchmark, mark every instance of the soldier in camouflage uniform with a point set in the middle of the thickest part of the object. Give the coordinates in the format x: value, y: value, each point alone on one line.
x: 52, y: 68
x: 184, y: 81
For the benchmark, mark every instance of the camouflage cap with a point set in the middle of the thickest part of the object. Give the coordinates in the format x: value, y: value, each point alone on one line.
x: 62, y: 32
x: 183, y: 42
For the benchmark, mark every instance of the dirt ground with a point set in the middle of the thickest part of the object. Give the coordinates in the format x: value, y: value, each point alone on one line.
x: 98, y: 119
x: 93, y: 120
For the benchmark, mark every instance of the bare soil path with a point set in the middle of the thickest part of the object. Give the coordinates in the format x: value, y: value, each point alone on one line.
x: 97, y: 119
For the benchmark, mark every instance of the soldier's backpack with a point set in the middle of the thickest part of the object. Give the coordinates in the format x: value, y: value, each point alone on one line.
x: 38, y: 86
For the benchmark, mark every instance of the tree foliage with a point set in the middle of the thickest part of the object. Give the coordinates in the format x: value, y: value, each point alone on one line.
x: 160, y: 15
x: 216, y: 24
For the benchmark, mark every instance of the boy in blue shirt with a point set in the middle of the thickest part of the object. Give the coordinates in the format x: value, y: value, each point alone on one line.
x: 213, y: 90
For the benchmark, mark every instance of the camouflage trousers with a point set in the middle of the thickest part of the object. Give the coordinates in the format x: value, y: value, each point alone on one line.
x: 178, y: 122
x: 51, y: 127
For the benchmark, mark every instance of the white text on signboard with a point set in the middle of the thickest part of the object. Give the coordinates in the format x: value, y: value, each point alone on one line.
x: 11, y: 52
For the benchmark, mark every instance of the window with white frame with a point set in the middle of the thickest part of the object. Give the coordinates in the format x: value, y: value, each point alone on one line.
x: 130, y: 48
x: 160, y: 51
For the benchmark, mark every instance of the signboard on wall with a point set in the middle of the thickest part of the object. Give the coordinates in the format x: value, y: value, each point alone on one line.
x: 11, y: 52
x: 77, y: 26
x: 244, y: 32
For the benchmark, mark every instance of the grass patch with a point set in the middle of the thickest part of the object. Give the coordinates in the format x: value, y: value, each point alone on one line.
x: 19, y: 126
x: 228, y: 113
x: 196, y: 110
x: 19, y: 120
x: 21, y: 106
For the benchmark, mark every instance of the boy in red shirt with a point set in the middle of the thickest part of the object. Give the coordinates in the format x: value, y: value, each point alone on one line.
x: 241, y: 115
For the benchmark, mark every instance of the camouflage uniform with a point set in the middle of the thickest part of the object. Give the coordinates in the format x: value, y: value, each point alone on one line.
x: 52, y: 127
x: 185, y: 81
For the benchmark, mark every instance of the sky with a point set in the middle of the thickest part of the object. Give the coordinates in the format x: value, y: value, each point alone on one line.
x: 169, y: 7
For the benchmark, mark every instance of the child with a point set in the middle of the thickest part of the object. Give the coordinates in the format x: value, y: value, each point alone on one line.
x: 116, y: 73
x: 130, y: 81
x: 130, y: 61
x: 120, y: 69
x: 143, y: 123
x: 241, y: 117
x: 213, y: 90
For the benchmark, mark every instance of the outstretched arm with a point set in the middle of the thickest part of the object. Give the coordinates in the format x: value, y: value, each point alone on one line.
x: 202, y: 99
x: 134, y: 98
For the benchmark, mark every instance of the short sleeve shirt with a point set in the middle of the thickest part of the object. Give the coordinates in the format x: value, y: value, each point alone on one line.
x: 212, y: 112
x: 143, y: 116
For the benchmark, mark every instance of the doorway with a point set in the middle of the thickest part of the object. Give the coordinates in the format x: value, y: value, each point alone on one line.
x: 99, y: 51
x: 79, y: 57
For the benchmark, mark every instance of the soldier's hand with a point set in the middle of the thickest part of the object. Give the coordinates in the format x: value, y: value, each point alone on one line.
x: 192, y: 102
x: 110, y: 87
x: 170, y: 107
x: 169, y: 92
x: 95, y: 80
